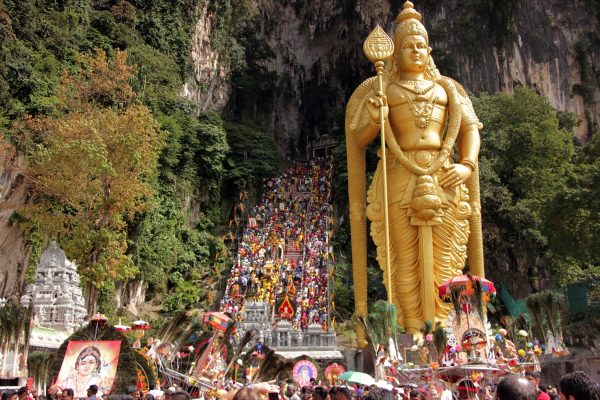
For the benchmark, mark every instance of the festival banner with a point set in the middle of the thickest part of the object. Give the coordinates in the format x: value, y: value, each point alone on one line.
x: 89, y: 363
x: 332, y: 372
x: 303, y: 371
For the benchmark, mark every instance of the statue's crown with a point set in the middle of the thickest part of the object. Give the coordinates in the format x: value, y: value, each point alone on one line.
x: 409, y: 23
x: 408, y: 12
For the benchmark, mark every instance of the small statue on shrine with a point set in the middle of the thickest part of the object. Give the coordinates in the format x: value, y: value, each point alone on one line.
x: 424, y: 354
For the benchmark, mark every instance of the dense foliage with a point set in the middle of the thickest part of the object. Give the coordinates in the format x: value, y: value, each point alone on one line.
x: 538, y: 191
x: 121, y: 170
x: 90, y: 169
x: 525, y: 159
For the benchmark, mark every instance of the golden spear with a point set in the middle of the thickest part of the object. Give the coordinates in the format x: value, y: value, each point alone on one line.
x: 378, y: 47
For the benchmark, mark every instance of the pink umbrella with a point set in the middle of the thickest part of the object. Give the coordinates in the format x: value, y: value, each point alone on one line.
x: 122, y: 328
x: 140, y: 325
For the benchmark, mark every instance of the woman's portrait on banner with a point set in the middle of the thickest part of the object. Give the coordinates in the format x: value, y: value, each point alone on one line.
x: 89, y: 363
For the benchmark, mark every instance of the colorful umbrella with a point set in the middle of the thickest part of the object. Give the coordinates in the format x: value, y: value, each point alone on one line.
x: 466, y: 285
x: 99, y: 320
x: 122, y: 328
x: 140, y: 325
x: 357, y: 377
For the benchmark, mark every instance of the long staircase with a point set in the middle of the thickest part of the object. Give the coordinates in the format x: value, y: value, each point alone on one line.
x: 283, y: 260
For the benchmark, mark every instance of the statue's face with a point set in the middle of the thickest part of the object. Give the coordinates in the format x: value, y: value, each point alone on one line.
x: 413, y: 54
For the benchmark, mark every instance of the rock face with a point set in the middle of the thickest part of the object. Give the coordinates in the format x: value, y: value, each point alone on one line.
x: 487, y: 46
x: 208, y: 86
x: 541, y: 49
x: 14, y: 253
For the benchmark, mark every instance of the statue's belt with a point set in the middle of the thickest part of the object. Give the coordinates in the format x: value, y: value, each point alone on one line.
x: 422, y: 195
x: 401, y: 182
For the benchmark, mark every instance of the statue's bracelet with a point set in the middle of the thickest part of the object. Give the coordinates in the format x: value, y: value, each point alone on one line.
x: 468, y: 163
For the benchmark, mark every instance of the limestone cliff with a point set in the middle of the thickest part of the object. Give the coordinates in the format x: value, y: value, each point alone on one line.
x: 486, y: 45
x: 541, y: 48
x: 208, y: 86
x: 14, y: 252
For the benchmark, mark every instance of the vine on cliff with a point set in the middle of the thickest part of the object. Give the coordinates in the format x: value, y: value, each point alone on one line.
x: 587, y: 88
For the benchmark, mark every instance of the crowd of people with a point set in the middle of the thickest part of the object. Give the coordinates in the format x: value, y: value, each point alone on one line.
x: 56, y: 392
x: 572, y: 386
x: 284, y: 252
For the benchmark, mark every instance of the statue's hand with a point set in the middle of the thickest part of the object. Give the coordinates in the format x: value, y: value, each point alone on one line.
x: 455, y: 175
x: 374, y: 104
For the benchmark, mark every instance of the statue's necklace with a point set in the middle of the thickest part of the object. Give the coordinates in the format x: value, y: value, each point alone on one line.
x: 418, y: 87
x: 421, y: 107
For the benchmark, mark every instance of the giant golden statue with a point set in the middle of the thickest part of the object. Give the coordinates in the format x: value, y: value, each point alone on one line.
x: 423, y: 202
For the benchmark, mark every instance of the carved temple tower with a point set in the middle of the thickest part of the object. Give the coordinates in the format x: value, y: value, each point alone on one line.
x: 56, y: 293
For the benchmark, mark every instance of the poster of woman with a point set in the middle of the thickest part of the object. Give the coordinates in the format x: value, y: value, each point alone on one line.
x: 303, y: 371
x: 89, y: 363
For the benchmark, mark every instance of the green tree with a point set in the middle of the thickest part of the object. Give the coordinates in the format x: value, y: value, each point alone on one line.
x: 575, y: 223
x: 177, y: 261
x: 39, y: 42
x: 92, y: 168
x: 253, y: 156
x: 525, y: 161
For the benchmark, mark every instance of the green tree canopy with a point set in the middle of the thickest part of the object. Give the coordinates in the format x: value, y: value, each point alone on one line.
x: 525, y: 162
x: 92, y: 168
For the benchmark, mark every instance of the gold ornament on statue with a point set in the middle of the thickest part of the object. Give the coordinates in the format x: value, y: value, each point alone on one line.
x: 426, y: 201
x: 424, y: 208
x: 378, y: 46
